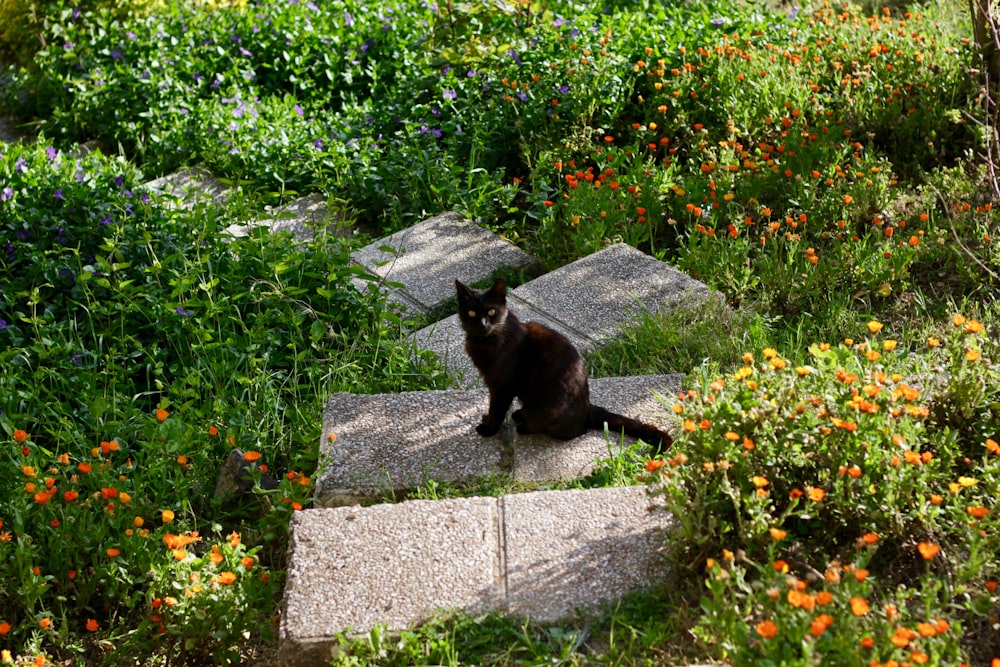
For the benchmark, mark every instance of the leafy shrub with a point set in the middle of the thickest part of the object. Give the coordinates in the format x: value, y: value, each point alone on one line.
x: 785, y: 472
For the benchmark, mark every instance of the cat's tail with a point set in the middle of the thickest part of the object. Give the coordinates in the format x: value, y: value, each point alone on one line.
x: 660, y: 440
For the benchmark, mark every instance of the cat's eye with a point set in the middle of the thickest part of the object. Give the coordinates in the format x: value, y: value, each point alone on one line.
x: 472, y: 313
x: 492, y: 312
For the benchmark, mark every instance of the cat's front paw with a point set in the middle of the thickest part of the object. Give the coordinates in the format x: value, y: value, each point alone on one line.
x: 487, y: 429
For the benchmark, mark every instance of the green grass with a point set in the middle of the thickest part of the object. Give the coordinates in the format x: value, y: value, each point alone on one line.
x: 818, y: 169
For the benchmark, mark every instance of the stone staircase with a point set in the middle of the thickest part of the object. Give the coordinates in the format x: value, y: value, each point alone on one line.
x: 544, y: 554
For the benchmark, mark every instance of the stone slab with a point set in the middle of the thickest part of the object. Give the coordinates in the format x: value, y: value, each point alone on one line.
x: 386, y: 443
x: 352, y: 568
x: 190, y: 187
x: 8, y: 133
x: 390, y: 443
x: 578, y: 549
x: 591, y: 301
x: 544, y: 554
x: 602, y: 293
x: 428, y: 257
x: 300, y: 217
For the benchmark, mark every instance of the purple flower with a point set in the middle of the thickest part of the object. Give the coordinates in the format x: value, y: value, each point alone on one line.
x: 236, y: 38
x: 59, y: 195
x: 450, y: 94
x: 75, y: 358
x: 76, y: 13
x: 50, y: 152
x: 471, y: 73
x: 513, y: 54
x: 436, y: 133
x: 20, y: 166
x: 3, y: 323
x: 318, y: 144
x: 719, y: 22
x: 118, y: 181
x: 183, y: 313
x: 795, y: 12
x: 299, y: 111
x: 348, y: 20
x: 130, y: 35
x: 522, y: 96
x: 7, y: 193
x: 246, y: 53
x: 563, y: 89
x: 106, y: 220
x: 117, y: 54
x: 312, y: 7
x: 69, y: 46
x: 446, y: 70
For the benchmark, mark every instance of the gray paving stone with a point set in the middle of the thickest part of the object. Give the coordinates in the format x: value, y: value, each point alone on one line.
x: 428, y: 257
x: 600, y: 294
x: 390, y: 443
x: 190, y: 187
x: 579, y: 549
x: 8, y: 133
x: 393, y: 442
x: 590, y: 301
x: 300, y: 217
x: 352, y: 568
x: 543, y: 554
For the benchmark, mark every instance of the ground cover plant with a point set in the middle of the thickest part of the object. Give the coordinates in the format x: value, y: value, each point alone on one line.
x: 825, y: 168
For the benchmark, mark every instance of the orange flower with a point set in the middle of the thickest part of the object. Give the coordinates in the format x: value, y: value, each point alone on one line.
x: 874, y: 326
x: 977, y: 512
x: 233, y: 539
x: 869, y: 538
x: 867, y: 642
x: 45, y: 622
x: 820, y: 624
x: 113, y: 553
x: 928, y: 550
x: 860, y: 574
x: 20, y: 435
x: 84, y: 468
x: 815, y: 494
x: 759, y: 482
x: 824, y: 598
x: 42, y: 497
x: 92, y: 625
x: 5, y: 628
x: 767, y: 629
x: 167, y: 516
x: 226, y: 578
x: 213, y: 431
x: 654, y: 464
x: 251, y: 456
x: 247, y: 562
x: 859, y: 606
x: 777, y: 534
x: 161, y: 415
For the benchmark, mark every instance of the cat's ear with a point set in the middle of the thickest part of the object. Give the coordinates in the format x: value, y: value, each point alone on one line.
x: 463, y: 292
x: 499, y: 288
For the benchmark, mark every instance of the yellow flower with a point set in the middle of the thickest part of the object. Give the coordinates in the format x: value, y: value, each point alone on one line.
x: 972, y: 355
x: 167, y: 516
x: 933, y: 342
x: 889, y: 345
x: 874, y: 326
x: 958, y: 320
x: 968, y: 482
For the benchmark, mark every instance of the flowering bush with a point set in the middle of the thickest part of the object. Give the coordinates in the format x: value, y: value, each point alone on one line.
x: 838, y: 517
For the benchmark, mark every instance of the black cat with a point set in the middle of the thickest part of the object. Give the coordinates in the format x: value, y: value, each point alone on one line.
x: 540, y: 367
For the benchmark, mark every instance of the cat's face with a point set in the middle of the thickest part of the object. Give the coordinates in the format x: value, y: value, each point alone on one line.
x: 482, y: 313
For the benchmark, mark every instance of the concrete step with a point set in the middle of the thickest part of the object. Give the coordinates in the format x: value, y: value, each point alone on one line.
x: 543, y: 555
x: 374, y: 445
x: 591, y: 301
x: 9, y: 133
x: 189, y: 187
x: 300, y: 217
x: 426, y: 258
